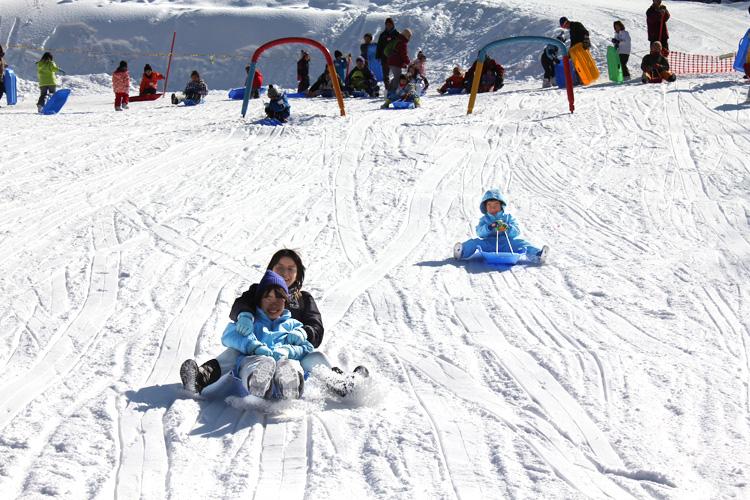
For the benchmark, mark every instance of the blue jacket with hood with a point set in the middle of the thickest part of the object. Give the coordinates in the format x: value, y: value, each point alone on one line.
x: 483, y: 228
x: 272, y: 333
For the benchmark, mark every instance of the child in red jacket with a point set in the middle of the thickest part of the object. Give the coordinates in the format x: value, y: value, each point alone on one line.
x: 121, y: 86
x: 149, y: 81
x: 455, y: 81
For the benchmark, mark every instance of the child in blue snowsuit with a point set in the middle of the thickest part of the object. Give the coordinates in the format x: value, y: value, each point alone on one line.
x: 278, y: 107
x: 268, y: 354
x: 492, y: 230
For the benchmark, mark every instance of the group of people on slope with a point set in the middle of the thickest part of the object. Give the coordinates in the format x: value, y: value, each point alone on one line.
x: 655, y: 65
x: 272, y: 338
x: 195, y: 90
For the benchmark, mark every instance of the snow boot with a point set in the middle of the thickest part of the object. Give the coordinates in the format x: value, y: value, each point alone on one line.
x: 175, y: 100
x: 39, y: 108
x: 458, y: 251
x: 416, y: 103
x: 196, y: 378
x: 289, y: 381
x: 672, y: 77
x: 386, y: 104
x: 541, y: 257
x: 118, y: 108
x: 644, y: 78
x: 546, y: 83
x: 125, y: 106
x: 259, y: 382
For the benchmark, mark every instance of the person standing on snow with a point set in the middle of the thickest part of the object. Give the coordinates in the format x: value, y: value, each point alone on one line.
x: 578, y: 33
x: 399, y: 59
x: 257, y: 82
x: 621, y: 42
x: 121, y: 86
x: 303, y: 72
x: 549, y: 59
x: 493, y: 223
x: 363, y: 48
x: 386, y: 37
x: 46, y: 69
x: 656, y: 21
x: 3, y: 65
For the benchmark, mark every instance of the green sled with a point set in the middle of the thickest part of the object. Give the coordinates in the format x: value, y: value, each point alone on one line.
x: 613, y: 65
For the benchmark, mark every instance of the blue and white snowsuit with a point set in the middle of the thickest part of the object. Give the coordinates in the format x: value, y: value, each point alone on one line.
x: 272, y: 333
x: 279, y: 107
x: 488, y: 237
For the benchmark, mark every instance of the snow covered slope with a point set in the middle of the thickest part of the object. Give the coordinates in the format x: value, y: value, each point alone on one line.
x: 619, y: 370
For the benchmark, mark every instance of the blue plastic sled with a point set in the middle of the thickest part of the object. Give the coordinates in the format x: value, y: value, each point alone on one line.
x: 239, y: 93
x: 374, y: 64
x: 56, y: 102
x: 270, y: 121
x: 190, y: 102
x: 506, y: 258
x: 560, y: 74
x: 739, y: 61
x: 455, y: 90
x: 403, y: 105
x: 295, y: 94
x: 11, y: 94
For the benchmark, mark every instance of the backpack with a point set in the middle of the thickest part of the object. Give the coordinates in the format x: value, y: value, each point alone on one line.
x: 390, y: 48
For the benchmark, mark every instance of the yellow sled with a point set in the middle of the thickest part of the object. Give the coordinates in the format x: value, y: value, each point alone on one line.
x: 584, y: 64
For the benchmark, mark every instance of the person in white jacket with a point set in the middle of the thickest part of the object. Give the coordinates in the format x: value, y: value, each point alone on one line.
x: 622, y: 44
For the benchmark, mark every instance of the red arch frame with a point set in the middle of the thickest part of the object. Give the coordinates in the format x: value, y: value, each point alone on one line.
x: 282, y: 41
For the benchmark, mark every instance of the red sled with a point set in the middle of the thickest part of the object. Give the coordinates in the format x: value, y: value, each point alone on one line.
x: 145, y: 97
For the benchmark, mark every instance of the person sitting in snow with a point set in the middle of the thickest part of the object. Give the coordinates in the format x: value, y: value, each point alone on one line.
x: 655, y: 65
x: 361, y: 78
x: 278, y: 107
x: 195, y: 90
x: 487, y: 81
x: 257, y: 82
x: 419, y: 62
x: 420, y: 82
x: 323, y: 86
x: 497, y: 70
x: 269, y: 353
x: 302, y: 307
x: 455, y: 81
x: 492, y: 229
x: 149, y: 81
x: 403, y: 91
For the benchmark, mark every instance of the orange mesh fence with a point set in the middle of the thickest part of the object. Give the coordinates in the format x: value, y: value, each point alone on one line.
x: 680, y: 62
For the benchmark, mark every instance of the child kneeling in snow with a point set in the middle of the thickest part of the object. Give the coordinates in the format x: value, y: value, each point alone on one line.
x: 492, y: 230
x: 278, y: 107
x: 267, y: 355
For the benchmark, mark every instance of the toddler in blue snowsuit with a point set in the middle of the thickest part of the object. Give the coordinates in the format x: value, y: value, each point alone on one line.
x: 491, y: 228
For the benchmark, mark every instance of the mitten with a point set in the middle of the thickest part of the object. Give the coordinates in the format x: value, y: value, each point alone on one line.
x: 263, y: 350
x: 280, y: 353
x: 295, y: 338
x: 245, y: 323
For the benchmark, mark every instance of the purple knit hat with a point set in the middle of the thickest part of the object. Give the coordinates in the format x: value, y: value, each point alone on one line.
x: 270, y: 279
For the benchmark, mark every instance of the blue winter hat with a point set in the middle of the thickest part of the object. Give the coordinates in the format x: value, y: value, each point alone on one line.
x: 270, y: 279
x: 492, y: 194
x: 563, y: 20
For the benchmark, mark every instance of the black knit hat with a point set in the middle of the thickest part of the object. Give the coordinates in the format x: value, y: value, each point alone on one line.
x: 147, y: 68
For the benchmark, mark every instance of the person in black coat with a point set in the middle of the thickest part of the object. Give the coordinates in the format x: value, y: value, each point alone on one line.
x: 303, y: 72
x: 578, y: 32
x: 390, y: 33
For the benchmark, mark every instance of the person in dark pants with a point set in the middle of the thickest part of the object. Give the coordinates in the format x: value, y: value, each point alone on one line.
x: 656, y: 20
x: 303, y: 72
x: 390, y: 33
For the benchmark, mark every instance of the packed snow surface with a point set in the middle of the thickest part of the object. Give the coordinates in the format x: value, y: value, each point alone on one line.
x: 619, y: 370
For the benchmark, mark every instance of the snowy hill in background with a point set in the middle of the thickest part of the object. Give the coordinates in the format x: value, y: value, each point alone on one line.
x: 449, y: 32
x: 619, y: 370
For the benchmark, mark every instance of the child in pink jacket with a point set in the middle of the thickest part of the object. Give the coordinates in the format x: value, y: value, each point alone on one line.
x: 121, y: 86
